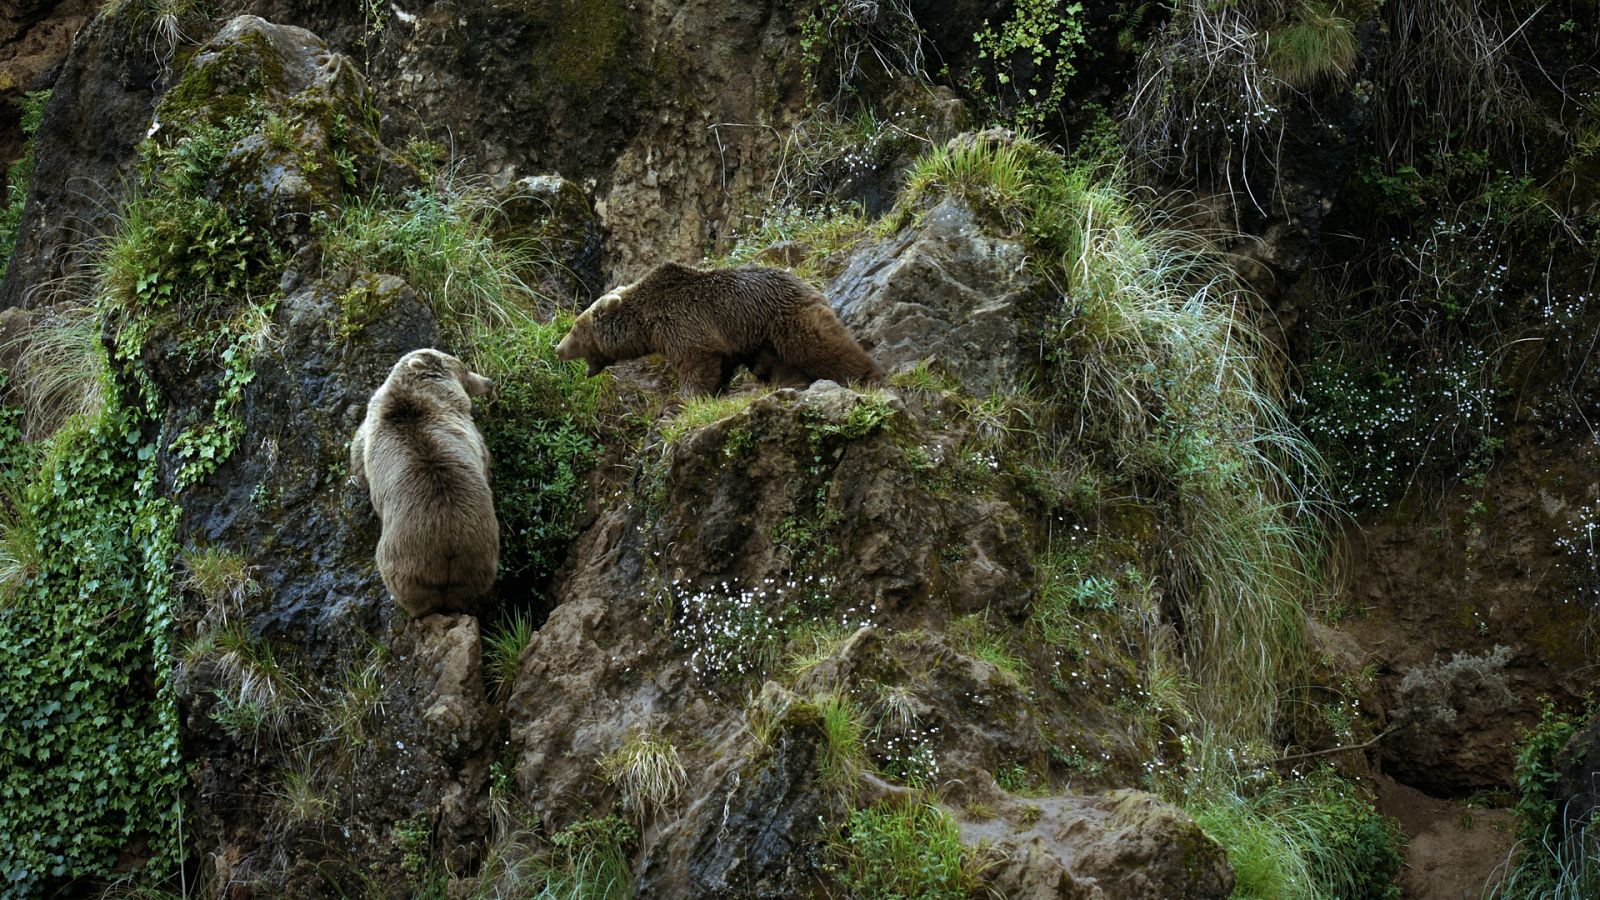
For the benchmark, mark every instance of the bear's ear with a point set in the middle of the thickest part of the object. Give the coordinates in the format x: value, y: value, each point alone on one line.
x: 428, y: 363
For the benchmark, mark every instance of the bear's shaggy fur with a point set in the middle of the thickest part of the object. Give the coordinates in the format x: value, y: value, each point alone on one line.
x: 708, y: 323
x: 426, y: 467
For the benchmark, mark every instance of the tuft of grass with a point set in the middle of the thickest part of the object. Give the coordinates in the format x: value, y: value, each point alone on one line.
x: 1317, y: 47
x: 1550, y: 869
x: 356, y: 699
x: 699, y: 412
x: 975, y: 637
x: 503, y: 647
x: 813, y: 642
x: 255, y: 678
x: 440, y: 240
x: 905, y: 850
x: 221, y: 576
x: 993, y: 175
x: 843, y: 751
x: 649, y: 772
x: 22, y: 545
x: 300, y: 801
x: 61, y: 370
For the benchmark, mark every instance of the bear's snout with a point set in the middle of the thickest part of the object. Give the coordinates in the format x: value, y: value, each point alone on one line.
x: 478, y: 386
x: 564, y: 351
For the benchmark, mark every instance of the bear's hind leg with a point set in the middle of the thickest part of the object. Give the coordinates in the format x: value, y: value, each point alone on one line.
x: 700, y: 374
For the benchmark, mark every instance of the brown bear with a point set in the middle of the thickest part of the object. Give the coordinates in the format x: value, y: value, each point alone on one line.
x: 707, y: 323
x: 426, y: 468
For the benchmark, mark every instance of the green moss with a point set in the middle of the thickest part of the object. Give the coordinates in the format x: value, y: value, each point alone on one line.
x: 586, y: 43
x: 211, y: 91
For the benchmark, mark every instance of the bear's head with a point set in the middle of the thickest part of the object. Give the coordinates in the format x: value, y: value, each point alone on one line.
x: 585, y: 339
x: 440, y: 373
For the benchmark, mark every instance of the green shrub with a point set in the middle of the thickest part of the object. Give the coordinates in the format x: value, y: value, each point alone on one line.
x: 1313, y: 837
x: 542, y: 430
x: 588, y: 860
x: 1539, y: 866
x: 896, y: 850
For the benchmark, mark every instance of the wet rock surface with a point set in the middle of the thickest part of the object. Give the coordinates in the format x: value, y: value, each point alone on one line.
x: 99, y: 110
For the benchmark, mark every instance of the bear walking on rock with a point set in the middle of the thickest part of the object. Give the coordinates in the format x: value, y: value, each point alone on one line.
x: 426, y: 467
x: 707, y: 323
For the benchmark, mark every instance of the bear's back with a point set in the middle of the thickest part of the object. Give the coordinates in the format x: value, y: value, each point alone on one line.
x: 740, y: 304
x: 440, y: 541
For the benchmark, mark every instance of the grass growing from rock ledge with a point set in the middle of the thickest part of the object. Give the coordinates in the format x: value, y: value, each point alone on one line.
x: 905, y: 850
x: 1156, y: 372
x: 440, y: 240
x: 1165, y: 396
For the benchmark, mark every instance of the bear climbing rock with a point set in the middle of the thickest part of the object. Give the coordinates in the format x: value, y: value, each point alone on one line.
x: 707, y: 323
x: 426, y: 468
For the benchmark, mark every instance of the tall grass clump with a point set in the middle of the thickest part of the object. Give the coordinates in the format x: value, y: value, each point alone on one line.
x: 1161, y: 378
x: 503, y: 645
x: 587, y: 860
x: 1313, y: 837
x: 60, y: 370
x: 650, y: 772
x: 440, y: 239
x: 1317, y: 46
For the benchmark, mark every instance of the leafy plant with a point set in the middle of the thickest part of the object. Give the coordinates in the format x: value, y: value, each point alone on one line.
x: 542, y: 429
x: 589, y: 860
x: 1540, y: 865
x: 89, y: 759
x: 905, y: 850
x: 1031, y: 58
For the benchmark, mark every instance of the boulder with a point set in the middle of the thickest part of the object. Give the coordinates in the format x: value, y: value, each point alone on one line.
x: 947, y: 292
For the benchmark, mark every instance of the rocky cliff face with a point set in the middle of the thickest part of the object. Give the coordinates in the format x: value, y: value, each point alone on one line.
x: 775, y: 630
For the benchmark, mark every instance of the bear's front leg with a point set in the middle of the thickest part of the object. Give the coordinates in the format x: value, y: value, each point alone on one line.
x: 700, y: 374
